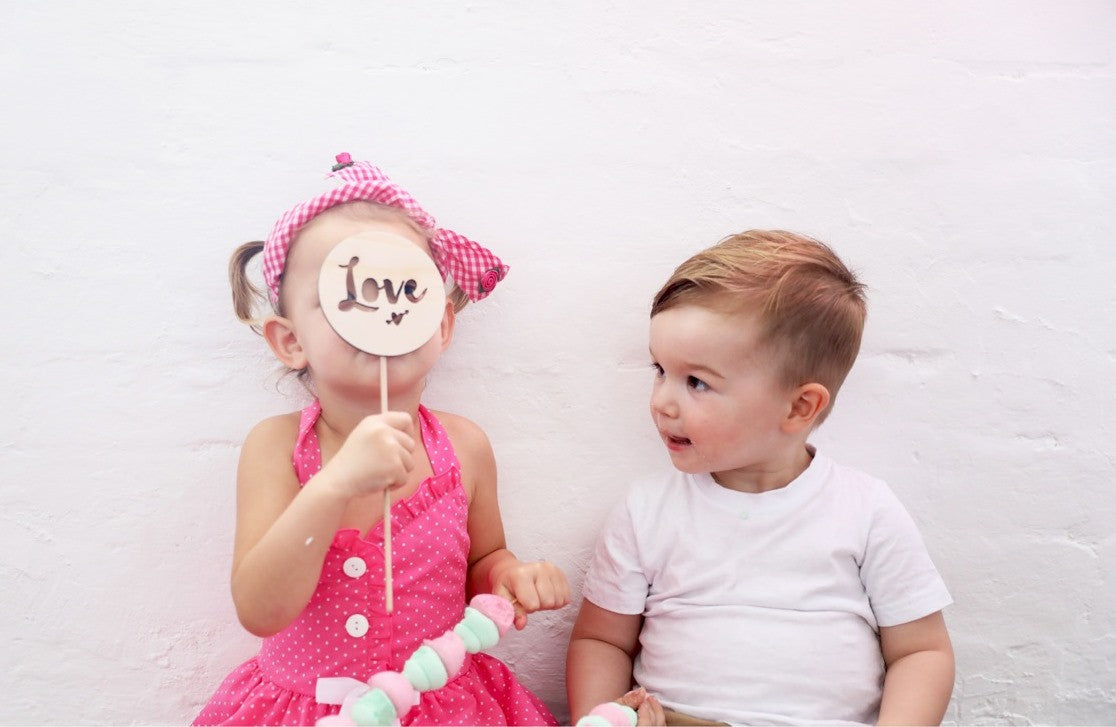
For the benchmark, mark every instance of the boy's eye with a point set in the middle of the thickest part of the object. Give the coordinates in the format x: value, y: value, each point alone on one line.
x: 696, y: 384
x: 657, y: 369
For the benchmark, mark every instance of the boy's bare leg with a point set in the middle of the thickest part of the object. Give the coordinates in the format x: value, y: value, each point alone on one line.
x: 685, y: 720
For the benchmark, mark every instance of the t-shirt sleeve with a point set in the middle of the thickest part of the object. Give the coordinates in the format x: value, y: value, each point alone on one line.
x: 898, y: 575
x: 616, y: 580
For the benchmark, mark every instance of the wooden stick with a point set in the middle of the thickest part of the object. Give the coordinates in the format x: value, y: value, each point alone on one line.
x: 387, y: 497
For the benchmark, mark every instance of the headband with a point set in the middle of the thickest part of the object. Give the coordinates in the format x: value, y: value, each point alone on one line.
x: 474, y: 268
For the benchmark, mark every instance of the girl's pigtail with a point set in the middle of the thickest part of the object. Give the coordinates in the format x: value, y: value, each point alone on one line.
x: 458, y: 297
x: 245, y: 295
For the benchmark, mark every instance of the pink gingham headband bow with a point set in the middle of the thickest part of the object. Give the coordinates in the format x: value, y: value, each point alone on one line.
x: 474, y: 268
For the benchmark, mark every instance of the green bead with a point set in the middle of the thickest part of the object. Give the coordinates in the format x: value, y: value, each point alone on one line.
x: 478, y: 631
x: 425, y: 670
x: 373, y: 709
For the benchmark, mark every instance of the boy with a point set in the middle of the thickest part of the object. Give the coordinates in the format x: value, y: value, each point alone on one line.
x: 761, y: 582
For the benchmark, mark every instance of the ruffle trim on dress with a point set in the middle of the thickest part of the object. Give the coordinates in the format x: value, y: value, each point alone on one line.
x: 403, y: 513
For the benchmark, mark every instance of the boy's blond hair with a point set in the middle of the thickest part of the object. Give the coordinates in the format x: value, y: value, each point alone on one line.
x: 811, y: 307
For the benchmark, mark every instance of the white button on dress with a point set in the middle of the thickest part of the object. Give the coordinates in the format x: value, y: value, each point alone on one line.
x: 355, y: 567
x: 356, y: 625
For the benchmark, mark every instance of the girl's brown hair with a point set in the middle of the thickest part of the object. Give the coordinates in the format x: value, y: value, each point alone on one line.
x: 247, y: 298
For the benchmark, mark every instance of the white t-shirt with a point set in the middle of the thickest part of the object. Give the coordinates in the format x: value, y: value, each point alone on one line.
x: 765, y: 608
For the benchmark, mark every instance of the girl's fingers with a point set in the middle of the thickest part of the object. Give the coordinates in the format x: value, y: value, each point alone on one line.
x: 544, y: 589
x: 406, y: 441
x: 526, y: 590
x: 561, y: 588
x: 520, y: 618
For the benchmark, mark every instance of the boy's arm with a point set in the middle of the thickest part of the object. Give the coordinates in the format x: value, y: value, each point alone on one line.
x: 599, y: 660
x: 919, y: 659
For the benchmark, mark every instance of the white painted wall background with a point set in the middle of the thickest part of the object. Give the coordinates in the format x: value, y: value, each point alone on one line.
x: 961, y: 156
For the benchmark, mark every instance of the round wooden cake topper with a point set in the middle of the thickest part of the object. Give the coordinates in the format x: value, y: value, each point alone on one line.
x: 381, y: 293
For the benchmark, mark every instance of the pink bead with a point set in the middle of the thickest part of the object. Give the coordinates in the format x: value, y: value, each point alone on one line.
x: 344, y: 158
x: 497, y: 608
x: 350, y: 699
x: 400, y: 691
x: 614, y: 713
x: 451, y: 650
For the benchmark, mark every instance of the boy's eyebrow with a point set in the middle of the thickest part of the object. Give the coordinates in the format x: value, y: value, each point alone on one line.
x: 702, y: 369
x: 694, y: 367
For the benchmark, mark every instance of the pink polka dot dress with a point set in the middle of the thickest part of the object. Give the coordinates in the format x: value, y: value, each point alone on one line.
x: 345, y: 631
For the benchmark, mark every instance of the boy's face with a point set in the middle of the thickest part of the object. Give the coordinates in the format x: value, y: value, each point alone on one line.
x: 717, y: 400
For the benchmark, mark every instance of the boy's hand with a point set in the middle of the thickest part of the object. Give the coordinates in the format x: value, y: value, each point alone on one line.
x: 647, y: 708
x: 538, y: 586
x: 377, y: 455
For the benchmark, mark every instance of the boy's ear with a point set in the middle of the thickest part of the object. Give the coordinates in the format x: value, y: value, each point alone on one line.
x: 280, y: 336
x: 806, y: 405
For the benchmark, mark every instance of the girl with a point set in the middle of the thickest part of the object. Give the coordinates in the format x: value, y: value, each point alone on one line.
x: 308, y: 561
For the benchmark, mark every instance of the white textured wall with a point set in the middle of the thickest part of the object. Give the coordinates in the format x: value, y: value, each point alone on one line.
x: 961, y: 155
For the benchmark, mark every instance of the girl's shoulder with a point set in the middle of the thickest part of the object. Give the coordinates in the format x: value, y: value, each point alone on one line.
x: 279, y: 431
x: 473, y: 450
x: 465, y: 434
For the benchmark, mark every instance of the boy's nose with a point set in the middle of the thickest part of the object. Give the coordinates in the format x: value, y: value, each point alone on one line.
x: 662, y: 402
